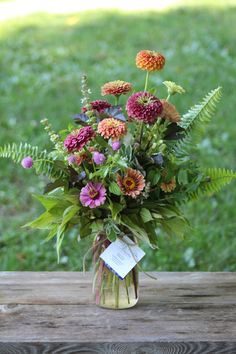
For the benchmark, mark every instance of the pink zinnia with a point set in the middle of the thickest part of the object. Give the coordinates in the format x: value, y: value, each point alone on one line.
x: 98, y: 105
x: 93, y: 195
x: 76, y: 140
x: 144, y: 106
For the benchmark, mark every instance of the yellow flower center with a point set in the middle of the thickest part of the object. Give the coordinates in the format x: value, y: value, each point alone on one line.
x: 129, y: 183
x: 93, y: 193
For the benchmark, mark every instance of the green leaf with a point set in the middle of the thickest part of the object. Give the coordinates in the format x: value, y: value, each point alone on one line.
x: 122, y: 163
x: 43, y: 221
x: 168, y: 211
x: 84, y: 227
x: 68, y: 214
x: 146, y: 215
x: 48, y: 201
x: 115, y: 208
x: 177, y: 226
x: 203, y: 111
x: 54, y: 185
x: 194, y: 122
x: 52, y: 233
x: 114, y: 188
x: 102, y: 142
x: 43, y: 163
x: 154, y: 176
x: 183, y: 177
x: 97, y: 226
x: 213, y: 180
x: 131, y: 222
x: 151, y: 230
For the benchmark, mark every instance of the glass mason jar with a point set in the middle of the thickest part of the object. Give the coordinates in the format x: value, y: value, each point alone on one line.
x: 109, y: 290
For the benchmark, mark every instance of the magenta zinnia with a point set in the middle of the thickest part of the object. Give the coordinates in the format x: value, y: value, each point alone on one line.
x: 132, y: 183
x: 144, y: 106
x: 93, y: 195
x: 98, y: 105
x: 76, y: 140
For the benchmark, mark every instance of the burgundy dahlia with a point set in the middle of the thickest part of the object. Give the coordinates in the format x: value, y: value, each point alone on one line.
x: 98, y: 105
x: 144, y: 106
x: 76, y: 140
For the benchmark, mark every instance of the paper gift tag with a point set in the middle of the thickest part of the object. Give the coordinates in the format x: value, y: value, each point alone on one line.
x: 121, y: 256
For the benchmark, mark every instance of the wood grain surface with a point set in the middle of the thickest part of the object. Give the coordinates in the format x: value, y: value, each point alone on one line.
x: 53, y: 312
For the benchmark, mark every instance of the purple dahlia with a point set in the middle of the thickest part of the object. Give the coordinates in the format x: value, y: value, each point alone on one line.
x: 144, y: 107
x: 93, y: 195
x: 76, y: 140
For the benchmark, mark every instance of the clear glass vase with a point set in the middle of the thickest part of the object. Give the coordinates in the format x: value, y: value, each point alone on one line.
x: 109, y: 290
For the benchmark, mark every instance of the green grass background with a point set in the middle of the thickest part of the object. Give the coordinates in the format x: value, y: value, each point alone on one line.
x: 42, y: 58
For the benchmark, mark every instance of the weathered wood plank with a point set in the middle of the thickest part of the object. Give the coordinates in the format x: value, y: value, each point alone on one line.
x: 119, y: 348
x: 179, y: 313
x: 43, y: 288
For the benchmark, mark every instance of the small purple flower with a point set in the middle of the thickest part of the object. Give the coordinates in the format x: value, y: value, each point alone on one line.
x: 27, y: 162
x: 116, y: 145
x: 71, y: 159
x: 98, y: 158
x: 93, y: 195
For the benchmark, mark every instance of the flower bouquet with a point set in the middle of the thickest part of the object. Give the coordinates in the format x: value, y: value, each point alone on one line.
x: 120, y: 173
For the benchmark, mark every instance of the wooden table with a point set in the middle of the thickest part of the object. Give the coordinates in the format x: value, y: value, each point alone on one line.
x: 179, y: 313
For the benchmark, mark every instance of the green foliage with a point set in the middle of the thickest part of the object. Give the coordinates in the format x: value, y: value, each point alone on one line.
x: 212, y: 181
x: 146, y: 215
x: 18, y: 152
x: 43, y: 164
x: 114, y: 188
x: 201, y: 113
x: 58, y: 217
x: 195, y: 121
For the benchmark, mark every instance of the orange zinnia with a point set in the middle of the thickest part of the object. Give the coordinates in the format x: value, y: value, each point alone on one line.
x: 132, y: 183
x: 168, y: 187
x: 112, y: 128
x: 169, y: 112
x: 150, y: 60
x: 116, y: 88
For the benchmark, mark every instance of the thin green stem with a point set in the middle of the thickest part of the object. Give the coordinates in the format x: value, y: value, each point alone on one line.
x: 117, y: 97
x: 127, y: 288
x: 141, y: 132
x: 168, y: 97
x: 146, y: 81
x: 117, y: 292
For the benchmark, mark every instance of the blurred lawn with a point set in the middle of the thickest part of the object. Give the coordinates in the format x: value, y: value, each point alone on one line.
x: 42, y: 58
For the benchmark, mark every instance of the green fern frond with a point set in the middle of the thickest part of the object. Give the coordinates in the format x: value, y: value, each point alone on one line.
x: 18, y: 152
x: 214, y: 179
x: 202, y: 112
x: 194, y: 121
x: 43, y: 164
